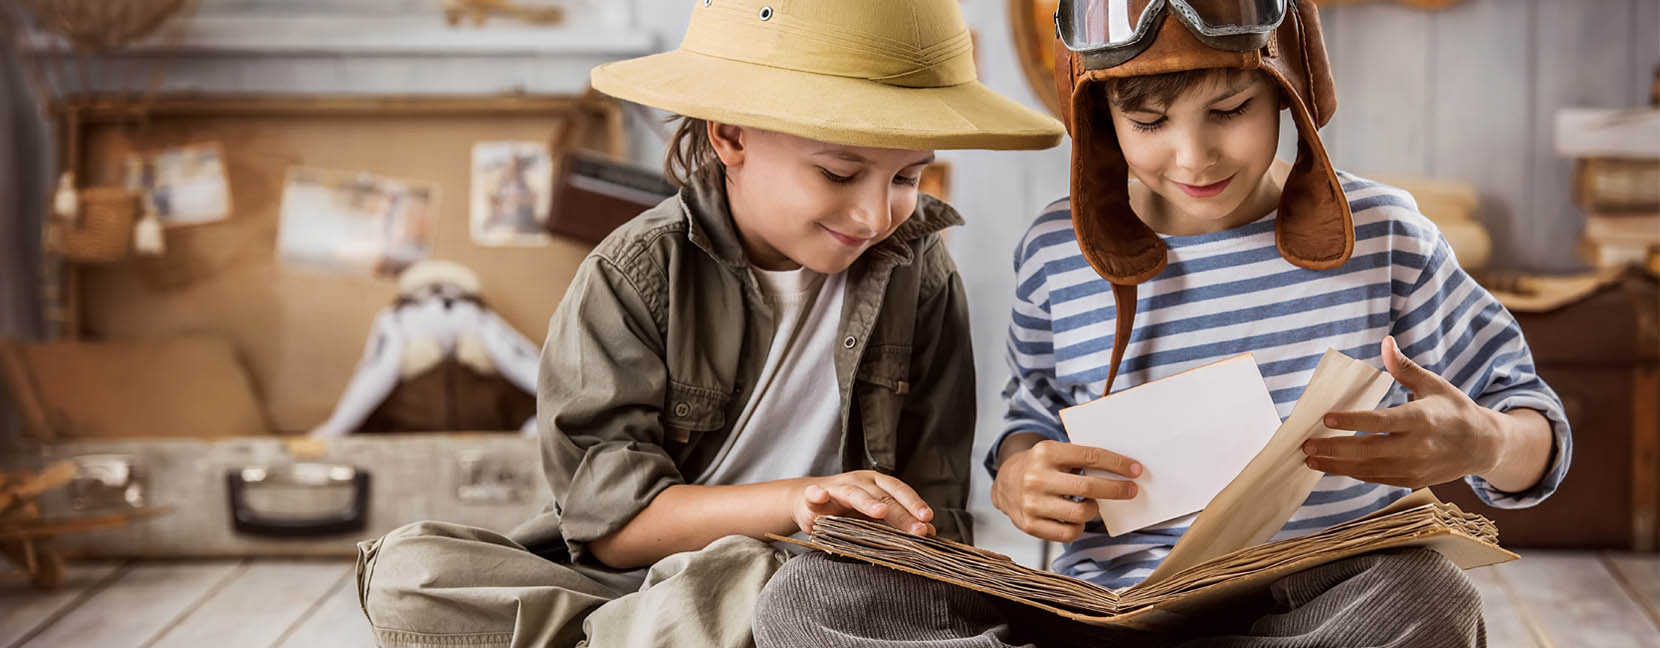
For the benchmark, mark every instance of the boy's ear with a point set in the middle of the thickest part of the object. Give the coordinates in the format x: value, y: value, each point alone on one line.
x: 728, y: 141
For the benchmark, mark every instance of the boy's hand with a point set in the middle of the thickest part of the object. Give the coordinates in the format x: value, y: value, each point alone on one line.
x: 1037, y: 487
x: 863, y: 493
x: 1440, y: 436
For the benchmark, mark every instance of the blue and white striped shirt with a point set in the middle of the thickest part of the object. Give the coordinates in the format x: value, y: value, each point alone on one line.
x: 1231, y: 292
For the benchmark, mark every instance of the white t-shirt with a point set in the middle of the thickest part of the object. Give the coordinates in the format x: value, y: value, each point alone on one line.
x: 791, y: 425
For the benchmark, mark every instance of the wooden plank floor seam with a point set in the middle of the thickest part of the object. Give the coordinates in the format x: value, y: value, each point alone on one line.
x: 91, y: 591
x: 1649, y: 607
x: 312, y: 611
x: 1534, y: 627
x: 224, y: 580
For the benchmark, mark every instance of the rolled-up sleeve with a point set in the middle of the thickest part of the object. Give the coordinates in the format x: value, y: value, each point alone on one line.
x: 1033, y: 394
x: 600, y: 390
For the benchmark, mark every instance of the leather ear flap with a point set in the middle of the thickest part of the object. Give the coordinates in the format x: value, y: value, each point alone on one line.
x: 1066, y: 79
x: 1322, y: 87
x: 1314, y: 228
x: 1117, y: 244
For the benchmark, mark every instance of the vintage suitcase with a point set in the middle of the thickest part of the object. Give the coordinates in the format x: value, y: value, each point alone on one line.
x: 276, y: 496
x: 170, y: 431
x: 1601, y: 354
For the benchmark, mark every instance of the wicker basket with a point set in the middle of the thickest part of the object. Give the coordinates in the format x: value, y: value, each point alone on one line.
x: 104, y: 231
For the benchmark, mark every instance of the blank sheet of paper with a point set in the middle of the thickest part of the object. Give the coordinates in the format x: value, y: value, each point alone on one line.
x: 1191, y: 432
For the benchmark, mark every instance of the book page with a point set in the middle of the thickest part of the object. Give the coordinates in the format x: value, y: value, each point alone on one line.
x: 1257, y: 503
x: 1191, y: 432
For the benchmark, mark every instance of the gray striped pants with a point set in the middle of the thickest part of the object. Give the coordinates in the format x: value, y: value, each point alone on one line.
x: 1411, y: 598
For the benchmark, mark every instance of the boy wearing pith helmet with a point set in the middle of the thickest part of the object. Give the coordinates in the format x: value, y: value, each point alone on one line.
x: 786, y: 338
x: 1216, y: 249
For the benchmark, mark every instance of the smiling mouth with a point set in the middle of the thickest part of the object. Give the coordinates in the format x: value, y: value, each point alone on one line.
x: 1205, y: 191
x: 844, y: 239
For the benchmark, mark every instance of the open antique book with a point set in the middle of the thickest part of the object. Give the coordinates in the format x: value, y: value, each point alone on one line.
x: 1225, y: 552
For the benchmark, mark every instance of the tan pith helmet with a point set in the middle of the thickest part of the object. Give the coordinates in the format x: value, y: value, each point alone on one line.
x: 883, y: 73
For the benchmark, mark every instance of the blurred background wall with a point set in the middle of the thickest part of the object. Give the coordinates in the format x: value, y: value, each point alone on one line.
x: 1466, y: 93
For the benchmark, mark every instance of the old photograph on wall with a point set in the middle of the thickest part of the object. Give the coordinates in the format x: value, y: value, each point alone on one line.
x: 511, y: 191
x: 355, y: 222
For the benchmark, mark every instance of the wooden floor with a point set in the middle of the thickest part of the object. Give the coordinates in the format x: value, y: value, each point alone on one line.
x: 1545, y: 600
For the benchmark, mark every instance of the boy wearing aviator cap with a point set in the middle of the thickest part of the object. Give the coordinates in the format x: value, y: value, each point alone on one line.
x: 1209, y: 248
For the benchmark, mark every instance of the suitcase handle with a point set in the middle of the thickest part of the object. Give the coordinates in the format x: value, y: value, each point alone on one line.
x: 244, y: 519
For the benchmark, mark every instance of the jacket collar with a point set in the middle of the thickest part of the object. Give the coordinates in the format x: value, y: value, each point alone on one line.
x: 710, y: 225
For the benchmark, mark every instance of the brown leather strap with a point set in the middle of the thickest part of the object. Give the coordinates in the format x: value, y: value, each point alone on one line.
x: 1124, y: 295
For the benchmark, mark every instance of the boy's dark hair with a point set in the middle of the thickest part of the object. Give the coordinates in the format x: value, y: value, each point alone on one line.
x: 1158, y: 90
x: 691, y: 155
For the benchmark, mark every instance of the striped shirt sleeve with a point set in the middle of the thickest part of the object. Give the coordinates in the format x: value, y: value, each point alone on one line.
x: 1452, y: 326
x: 1033, y: 396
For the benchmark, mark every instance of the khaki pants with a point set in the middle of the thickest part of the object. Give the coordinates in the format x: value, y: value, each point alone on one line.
x: 437, y: 584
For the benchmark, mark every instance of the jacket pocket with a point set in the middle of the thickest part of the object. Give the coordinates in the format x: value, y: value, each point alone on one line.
x: 881, y: 387
x: 691, y: 409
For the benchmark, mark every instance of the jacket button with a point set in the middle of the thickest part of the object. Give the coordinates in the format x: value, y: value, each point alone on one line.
x: 850, y: 342
x: 682, y: 409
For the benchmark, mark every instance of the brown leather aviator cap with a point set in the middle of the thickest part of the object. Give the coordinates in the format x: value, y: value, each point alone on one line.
x: 1313, y: 228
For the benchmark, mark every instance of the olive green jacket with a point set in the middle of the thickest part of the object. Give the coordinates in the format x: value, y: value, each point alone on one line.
x: 657, y: 344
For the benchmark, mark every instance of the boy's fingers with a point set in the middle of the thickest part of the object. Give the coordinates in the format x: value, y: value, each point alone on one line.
x: 901, y: 519
x: 1364, y: 469
x: 1394, y: 419
x: 1063, y: 510
x: 1070, y: 485
x: 1363, y: 447
x: 1052, y: 530
x: 896, y: 515
x: 828, y: 507
x: 1409, y: 374
x: 816, y: 494
x: 906, y: 496
x: 1071, y: 455
x: 859, y: 499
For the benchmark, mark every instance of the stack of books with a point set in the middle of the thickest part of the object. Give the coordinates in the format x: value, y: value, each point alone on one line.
x: 1616, y: 183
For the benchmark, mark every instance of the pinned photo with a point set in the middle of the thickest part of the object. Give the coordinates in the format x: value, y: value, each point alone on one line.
x: 185, y: 185
x: 511, y: 193
x: 355, y: 223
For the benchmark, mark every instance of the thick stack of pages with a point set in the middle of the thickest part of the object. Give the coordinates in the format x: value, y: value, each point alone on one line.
x: 1418, y: 520
x: 1225, y: 552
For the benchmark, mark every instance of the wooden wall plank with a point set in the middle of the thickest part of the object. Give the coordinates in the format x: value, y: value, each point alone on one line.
x: 337, y: 622
x: 1381, y: 55
x: 259, y: 606
x: 1577, y: 601
x: 1482, y: 90
x: 25, y: 611
x: 138, y: 607
x: 1582, y: 58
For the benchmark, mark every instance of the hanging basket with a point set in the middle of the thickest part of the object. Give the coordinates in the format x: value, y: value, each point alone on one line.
x: 104, y: 231
x: 102, y: 25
